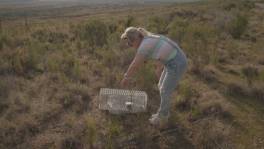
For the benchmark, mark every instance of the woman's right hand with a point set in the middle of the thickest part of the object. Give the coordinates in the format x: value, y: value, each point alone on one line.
x: 124, y: 83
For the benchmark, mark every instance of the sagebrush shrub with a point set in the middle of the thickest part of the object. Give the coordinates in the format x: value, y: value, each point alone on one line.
x: 146, y: 78
x: 250, y: 73
x: 70, y: 65
x: 91, y: 131
x: 158, y: 25
x: 31, y: 57
x: 49, y: 36
x: 1, y: 42
x: 130, y: 21
x: 242, y: 5
x: 177, y: 29
x: 199, y: 43
x: 238, y: 26
x: 94, y: 32
x: 187, y: 91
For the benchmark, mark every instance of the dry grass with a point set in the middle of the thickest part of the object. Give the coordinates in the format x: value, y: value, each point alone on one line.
x: 50, y: 76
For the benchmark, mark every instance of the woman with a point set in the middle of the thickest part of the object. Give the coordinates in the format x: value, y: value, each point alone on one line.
x: 167, y: 55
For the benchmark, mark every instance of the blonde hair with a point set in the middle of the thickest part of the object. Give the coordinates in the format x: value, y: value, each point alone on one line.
x: 131, y: 33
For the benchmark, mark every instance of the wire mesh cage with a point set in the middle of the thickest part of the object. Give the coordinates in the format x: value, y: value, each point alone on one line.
x: 118, y: 101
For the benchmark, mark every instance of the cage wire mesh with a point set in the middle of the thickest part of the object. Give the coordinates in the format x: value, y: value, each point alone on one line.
x: 118, y: 101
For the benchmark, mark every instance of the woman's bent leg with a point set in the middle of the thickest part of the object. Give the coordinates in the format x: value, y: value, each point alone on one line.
x: 170, y: 82
x: 167, y: 87
x: 161, y: 78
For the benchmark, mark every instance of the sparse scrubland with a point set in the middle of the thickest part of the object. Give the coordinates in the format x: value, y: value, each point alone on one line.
x: 51, y: 72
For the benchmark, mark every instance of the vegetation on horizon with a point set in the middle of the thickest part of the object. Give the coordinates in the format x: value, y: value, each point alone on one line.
x: 51, y: 72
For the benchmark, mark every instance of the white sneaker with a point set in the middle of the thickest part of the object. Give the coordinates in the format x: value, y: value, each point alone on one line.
x: 158, y: 120
x: 154, y: 115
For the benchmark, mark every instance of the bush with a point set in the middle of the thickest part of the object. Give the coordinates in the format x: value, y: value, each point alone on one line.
x: 113, y: 131
x: 236, y: 90
x: 1, y: 42
x: 261, y: 76
x: 70, y: 143
x: 238, y: 26
x: 212, y: 134
x: 187, y: 91
x: 247, y: 4
x: 130, y: 21
x: 244, y: 5
x: 91, y: 131
x: 195, y: 114
x: 49, y: 36
x: 16, y: 61
x: 146, y: 78
x: 65, y: 62
x: 108, y: 57
x: 250, y: 73
x: 4, y: 90
x: 229, y: 6
x: 94, y: 33
x: 53, y: 63
x: 257, y: 92
x: 158, y: 25
x: 28, y: 59
x: 34, y: 57
x: 112, y: 27
x: 177, y: 29
x: 70, y: 65
x: 199, y: 44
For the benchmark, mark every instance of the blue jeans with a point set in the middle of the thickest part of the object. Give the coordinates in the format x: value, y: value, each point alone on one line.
x: 170, y: 77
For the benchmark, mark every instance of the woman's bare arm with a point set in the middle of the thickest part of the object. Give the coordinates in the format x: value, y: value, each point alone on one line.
x: 135, y: 64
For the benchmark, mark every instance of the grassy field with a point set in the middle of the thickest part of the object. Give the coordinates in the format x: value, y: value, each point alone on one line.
x: 54, y: 62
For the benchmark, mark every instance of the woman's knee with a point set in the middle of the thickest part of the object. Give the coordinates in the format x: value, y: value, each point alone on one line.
x: 165, y: 92
x: 159, y: 85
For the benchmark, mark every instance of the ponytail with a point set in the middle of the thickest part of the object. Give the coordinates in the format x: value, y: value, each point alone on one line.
x: 144, y: 32
x: 133, y: 32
